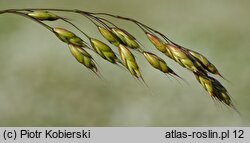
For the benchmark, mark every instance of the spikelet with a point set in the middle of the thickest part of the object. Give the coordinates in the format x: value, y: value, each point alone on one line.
x: 43, y: 15
x: 104, y: 51
x: 129, y: 61
x: 178, y: 54
x: 127, y: 39
x: 157, y: 42
x: 158, y: 63
x: 205, y: 63
x: 68, y: 37
x: 181, y: 57
x: 108, y: 35
x: 83, y: 57
x: 173, y: 52
x: 215, y: 89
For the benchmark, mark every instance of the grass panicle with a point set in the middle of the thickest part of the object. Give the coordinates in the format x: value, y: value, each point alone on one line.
x: 195, y: 62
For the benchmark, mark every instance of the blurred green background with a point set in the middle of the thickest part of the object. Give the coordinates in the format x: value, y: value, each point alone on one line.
x: 41, y: 84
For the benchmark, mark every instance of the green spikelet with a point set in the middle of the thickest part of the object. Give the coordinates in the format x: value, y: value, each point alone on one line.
x: 108, y: 35
x: 157, y: 42
x: 204, y: 62
x: 181, y: 57
x: 126, y: 38
x: 215, y: 89
x: 158, y: 63
x: 83, y: 57
x: 129, y: 61
x: 104, y: 50
x: 76, y: 41
x: 68, y: 37
x: 43, y: 15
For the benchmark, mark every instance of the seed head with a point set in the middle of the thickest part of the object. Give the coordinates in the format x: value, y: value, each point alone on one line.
x: 83, y: 57
x: 129, y: 61
x: 126, y: 38
x: 43, y: 15
x: 104, y: 50
x: 108, y: 35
